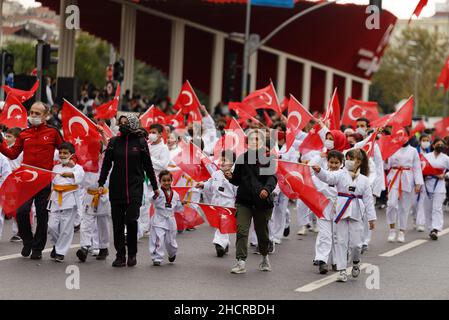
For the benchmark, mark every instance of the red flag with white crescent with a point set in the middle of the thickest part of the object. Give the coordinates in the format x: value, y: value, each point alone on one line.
x: 193, y: 161
x: 264, y: 98
x: 332, y: 115
x: 298, y: 117
x: 389, y: 144
x: 234, y: 140
x: 222, y: 218
x: 187, y: 100
x: 152, y: 115
x: 295, y: 181
x: 369, y: 145
x: 14, y: 113
x: 109, y: 109
x: 355, y: 109
x: 21, y: 185
x: 176, y: 120
x: 312, y: 141
x: 21, y: 95
x: 83, y: 134
x: 402, y: 117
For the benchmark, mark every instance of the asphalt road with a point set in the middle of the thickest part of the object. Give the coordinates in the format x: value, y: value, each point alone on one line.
x: 418, y: 272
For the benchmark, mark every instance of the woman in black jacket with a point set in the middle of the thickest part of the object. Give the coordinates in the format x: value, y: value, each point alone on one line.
x: 131, y: 157
x: 254, y: 174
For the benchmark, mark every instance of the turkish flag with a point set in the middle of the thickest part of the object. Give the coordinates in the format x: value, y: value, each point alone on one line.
x: 182, y: 191
x: 442, y: 127
x: 193, y: 161
x: 443, y: 78
x: 402, y: 117
x: 187, y: 100
x: 355, y: 109
x: 222, y: 218
x: 312, y: 141
x: 389, y: 144
x: 234, y: 140
x: 14, y: 113
x: 83, y: 134
x: 295, y: 181
x: 243, y: 111
x: 298, y: 117
x: 109, y: 109
x: 420, y: 126
x: 21, y: 185
x: 22, y: 95
x: 263, y: 99
x: 284, y: 104
x: 333, y: 113
x: 176, y: 120
x: 369, y: 145
x: 188, y: 219
x: 427, y: 169
x: 421, y: 4
x: 152, y: 115
x: 194, y: 115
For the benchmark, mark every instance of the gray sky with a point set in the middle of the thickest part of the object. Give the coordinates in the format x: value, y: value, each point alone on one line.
x: 401, y: 8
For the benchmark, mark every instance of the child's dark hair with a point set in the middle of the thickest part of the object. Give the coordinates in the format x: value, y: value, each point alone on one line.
x: 229, y: 155
x: 335, y: 154
x: 165, y: 173
x: 14, y: 131
x: 360, y: 154
x: 67, y: 146
x: 158, y: 127
x: 423, y: 136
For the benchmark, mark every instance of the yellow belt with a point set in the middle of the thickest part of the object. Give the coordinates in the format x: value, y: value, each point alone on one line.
x: 61, y: 189
x: 96, y: 194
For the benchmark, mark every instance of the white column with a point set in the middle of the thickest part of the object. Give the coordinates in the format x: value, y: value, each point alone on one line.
x: 253, y: 72
x: 348, y: 88
x: 128, y: 45
x: 306, y: 84
x: 328, y: 88
x: 365, y: 91
x: 66, y: 48
x: 216, y: 77
x: 175, y: 75
x: 281, y: 76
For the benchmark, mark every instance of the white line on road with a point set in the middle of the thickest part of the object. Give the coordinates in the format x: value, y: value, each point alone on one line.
x: 327, y: 280
x: 18, y: 255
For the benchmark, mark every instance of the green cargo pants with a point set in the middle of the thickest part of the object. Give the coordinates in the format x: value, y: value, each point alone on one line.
x: 261, y: 217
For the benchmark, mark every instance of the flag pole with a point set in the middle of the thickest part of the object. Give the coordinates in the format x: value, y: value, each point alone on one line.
x: 49, y: 171
x: 246, y: 50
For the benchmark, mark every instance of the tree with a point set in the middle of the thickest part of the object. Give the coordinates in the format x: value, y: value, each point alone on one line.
x: 416, y: 55
x: 24, y: 56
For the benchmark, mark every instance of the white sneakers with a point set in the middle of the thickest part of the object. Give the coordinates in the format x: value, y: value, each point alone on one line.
x: 392, y: 235
x: 342, y: 276
x: 265, y: 264
x: 239, y: 267
x: 302, y: 231
x: 401, y: 237
x: 420, y: 228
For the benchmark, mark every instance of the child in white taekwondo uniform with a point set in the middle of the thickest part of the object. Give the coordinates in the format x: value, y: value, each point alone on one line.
x: 64, y: 201
x: 223, y: 194
x: 10, y: 137
x: 160, y: 158
x: 94, y: 232
x: 419, y: 217
x: 5, y: 170
x: 434, y: 191
x: 404, y: 178
x: 324, y: 245
x: 354, y: 200
x: 163, y: 227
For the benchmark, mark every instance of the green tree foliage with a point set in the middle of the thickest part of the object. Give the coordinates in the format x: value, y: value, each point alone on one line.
x: 415, y: 55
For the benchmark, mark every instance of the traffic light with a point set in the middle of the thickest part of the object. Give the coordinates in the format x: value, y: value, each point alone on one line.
x: 230, y: 77
x: 7, y: 63
x: 119, y: 70
x: 44, y: 55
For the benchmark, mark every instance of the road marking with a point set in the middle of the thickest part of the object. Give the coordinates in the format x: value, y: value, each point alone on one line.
x: 410, y: 245
x: 327, y: 280
x: 18, y: 255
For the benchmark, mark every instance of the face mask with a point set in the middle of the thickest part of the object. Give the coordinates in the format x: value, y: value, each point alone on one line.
x: 35, y: 121
x: 329, y: 144
x: 439, y: 149
x: 425, y: 144
x: 65, y: 161
x: 152, y: 137
x: 349, y: 165
x: 361, y: 131
x: 124, y: 129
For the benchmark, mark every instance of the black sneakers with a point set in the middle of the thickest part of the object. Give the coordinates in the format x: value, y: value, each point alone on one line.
x: 172, y: 259
x: 102, y: 254
x: 53, y: 253
x: 322, y: 266
x: 434, y: 234
x: 220, y: 250
x: 119, y: 262
x: 15, y: 238
x: 132, y: 261
x: 36, y: 255
x: 286, y: 232
x: 82, y: 254
x: 59, y: 258
x: 26, y: 251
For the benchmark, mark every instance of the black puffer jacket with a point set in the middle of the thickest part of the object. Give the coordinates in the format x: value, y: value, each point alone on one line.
x: 131, y: 158
x: 250, y: 179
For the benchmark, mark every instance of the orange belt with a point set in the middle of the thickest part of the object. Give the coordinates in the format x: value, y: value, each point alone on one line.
x: 96, y: 194
x: 398, y: 173
x: 61, y: 189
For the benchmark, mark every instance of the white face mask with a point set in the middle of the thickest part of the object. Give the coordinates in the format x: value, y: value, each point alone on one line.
x: 361, y: 131
x: 152, y: 137
x: 329, y: 144
x: 65, y: 161
x: 425, y: 144
x: 35, y: 121
x: 349, y: 165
